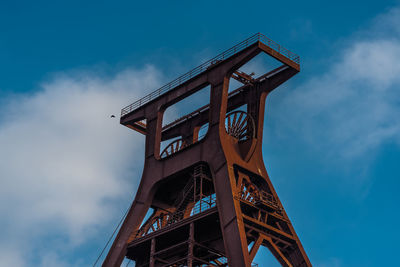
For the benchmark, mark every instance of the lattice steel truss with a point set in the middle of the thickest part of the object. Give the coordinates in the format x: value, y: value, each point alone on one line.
x: 210, y: 195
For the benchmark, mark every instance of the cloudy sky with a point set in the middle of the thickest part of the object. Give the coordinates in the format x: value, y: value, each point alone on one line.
x: 68, y: 171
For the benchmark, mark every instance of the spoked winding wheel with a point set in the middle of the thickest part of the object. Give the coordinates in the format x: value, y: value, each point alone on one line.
x: 240, y: 125
x: 173, y: 147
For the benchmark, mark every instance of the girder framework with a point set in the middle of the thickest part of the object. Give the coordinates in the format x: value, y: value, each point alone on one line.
x: 210, y: 195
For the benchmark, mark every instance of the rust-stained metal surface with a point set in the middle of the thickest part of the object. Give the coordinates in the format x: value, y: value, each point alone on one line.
x: 210, y: 193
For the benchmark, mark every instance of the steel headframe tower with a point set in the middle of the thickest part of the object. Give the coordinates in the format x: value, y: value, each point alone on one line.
x: 211, y: 196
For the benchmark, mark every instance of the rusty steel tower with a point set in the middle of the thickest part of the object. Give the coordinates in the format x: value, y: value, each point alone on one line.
x: 212, y: 201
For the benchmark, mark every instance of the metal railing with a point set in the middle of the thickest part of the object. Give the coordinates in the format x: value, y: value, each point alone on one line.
x: 156, y: 223
x: 258, y: 37
x: 260, y: 197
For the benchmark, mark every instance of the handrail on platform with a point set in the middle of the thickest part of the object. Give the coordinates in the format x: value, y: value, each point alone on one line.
x: 258, y: 37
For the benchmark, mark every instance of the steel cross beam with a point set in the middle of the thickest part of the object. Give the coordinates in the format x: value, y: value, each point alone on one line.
x: 248, y: 208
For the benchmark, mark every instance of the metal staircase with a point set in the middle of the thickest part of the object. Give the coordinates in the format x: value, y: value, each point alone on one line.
x: 185, y: 197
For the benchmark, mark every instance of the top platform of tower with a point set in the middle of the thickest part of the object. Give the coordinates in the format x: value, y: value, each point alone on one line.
x: 267, y: 45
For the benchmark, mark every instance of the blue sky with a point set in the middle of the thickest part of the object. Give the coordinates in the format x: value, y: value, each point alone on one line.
x: 331, y: 140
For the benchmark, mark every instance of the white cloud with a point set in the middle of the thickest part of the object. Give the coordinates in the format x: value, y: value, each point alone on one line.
x: 352, y: 108
x: 64, y: 162
x: 10, y: 256
x: 386, y: 25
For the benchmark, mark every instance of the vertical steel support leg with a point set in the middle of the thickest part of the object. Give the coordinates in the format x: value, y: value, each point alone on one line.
x: 152, y: 252
x: 191, y: 246
x: 235, y: 240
